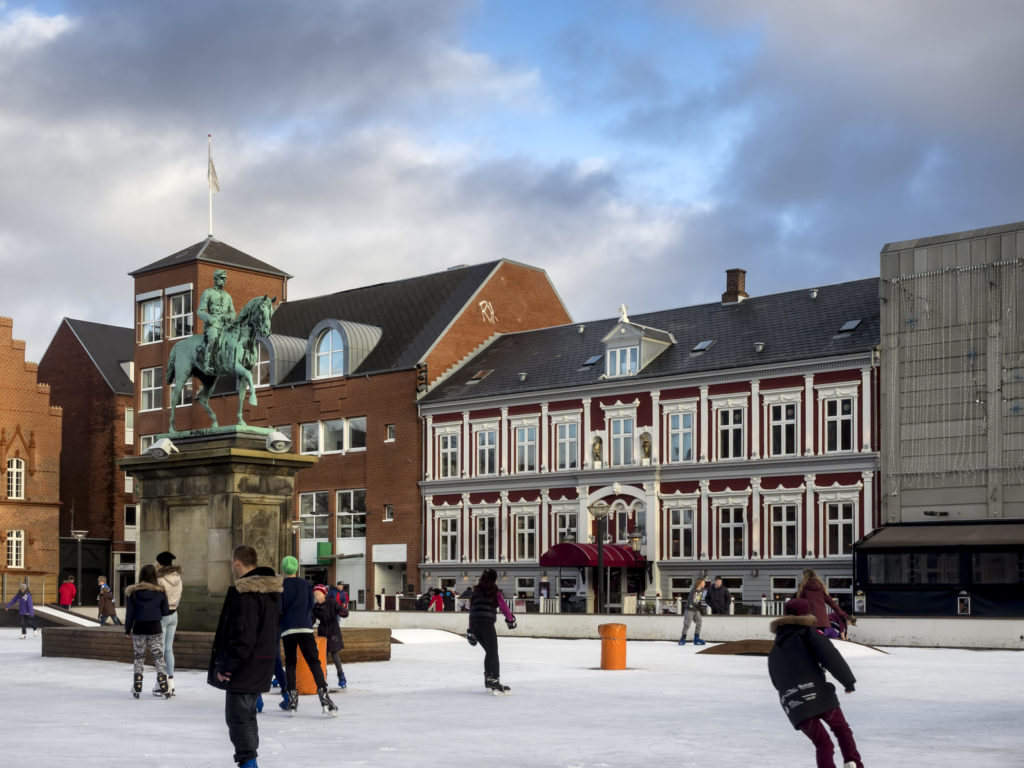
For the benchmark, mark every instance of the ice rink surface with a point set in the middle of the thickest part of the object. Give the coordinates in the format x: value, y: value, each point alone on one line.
x: 427, y: 707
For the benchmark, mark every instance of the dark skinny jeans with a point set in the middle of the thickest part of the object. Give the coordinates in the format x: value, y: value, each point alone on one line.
x: 483, y: 631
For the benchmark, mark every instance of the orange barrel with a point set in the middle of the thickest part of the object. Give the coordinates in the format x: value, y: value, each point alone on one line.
x: 613, y: 645
x: 304, y: 682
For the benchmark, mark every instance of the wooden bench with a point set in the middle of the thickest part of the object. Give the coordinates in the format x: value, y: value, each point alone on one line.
x: 191, y: 649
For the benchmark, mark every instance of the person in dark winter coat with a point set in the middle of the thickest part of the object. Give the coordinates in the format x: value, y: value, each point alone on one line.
x: 813, y: 591
x: 796, y: 665
x: 26, y: 609
x: 147, y: 605
x: 484, y: 605
x: 328, y: 612
x: 693, y: 611
x: 297, y: 634
x: 106, y: 603
x: 244, y: 649
x: 718, y: 597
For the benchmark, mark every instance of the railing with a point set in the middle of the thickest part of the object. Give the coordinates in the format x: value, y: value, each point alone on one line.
x: 771, y: 607
x: 659, y: 605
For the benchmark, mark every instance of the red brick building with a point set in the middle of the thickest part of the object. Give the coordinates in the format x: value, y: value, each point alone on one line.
x: 340, y: 373
x: 30, y: 448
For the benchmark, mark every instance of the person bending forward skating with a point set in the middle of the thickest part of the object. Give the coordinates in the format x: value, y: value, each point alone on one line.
x: 484, y: 605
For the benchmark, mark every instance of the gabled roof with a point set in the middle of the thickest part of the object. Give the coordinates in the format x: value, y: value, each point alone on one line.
x: 108, y: 346
x: 792, y: 326
x: 212, y: 251
x: 411, y: 314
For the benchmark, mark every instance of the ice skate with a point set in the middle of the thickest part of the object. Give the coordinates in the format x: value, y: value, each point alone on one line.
x: 698, y: 641
x: 682, y: 641
x: 165, y: 693
x: 284, y: 701
x: 21, y: 637
x: 35, y: 633
x: 293, y: 702
x: 495, y: 687
x: 329, y: 707
x: 342, y: 682
x: 137, y: 685
x: 161, y: 682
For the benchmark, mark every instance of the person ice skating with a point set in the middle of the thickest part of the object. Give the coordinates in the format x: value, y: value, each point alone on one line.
x: 718, y: 597
x: 26, y: 610
x: 297, y: 634
x: 106, y: 603
x: 146, y: 606
x: 66, y: 593
x: 169, y: 577
x: 692, y: 612
x: 244, y: 649
x: 813, y: 591
x: 484, y: 605
x: 328, y: 613
x: 795, y: 665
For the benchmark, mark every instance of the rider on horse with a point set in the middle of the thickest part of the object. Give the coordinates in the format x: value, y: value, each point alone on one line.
x: 216, y: 310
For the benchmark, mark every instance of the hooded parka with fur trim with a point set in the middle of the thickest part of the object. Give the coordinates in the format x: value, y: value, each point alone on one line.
x: 245, y: 644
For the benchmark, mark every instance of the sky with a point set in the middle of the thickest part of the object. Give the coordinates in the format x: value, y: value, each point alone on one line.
x: 427, y: 707
x: 633, y: 149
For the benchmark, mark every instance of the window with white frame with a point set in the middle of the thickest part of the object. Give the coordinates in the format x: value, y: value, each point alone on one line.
x: 185, y: 396
x: 732, y: 529
x: 566, y: 522
x: 448, y: 539
x: 486, y: 538
x: 680, y: 586
x: 783, y: 587
x: 145, y: 441
x: 131, y: 521
x: 526, y: 537
x: 180, y: 315
x: 623, y: 361
x: 389, y: 513
x: 261, y: 368
x: 526, y: 586
x: 309, y: 437
x: 333, y: 435
x: 129, y: 426
x: 679, y: 435
x: 151, y: 389
x: 313, y: 515
x: 151, y: 320
x: 129, y: 483
x: 620, y: 433
x: 681, y: 532
x: 784, y: 530
x: 839, y: 526
x: 448, y: 454
x: 526, y: 448
x: 782, y: 426
x: 16, y: 549
x: 15, y: 478
x: 355, y: 433
x: 389, y: 433
x: 486, y: 451
x: 838, y: 424
x: 730, y: 433
x: 351, y: 506
x: 329, y: 355
x: 567, y: 445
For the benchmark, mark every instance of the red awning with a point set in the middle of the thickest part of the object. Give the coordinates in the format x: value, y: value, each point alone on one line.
x: 585, y: 555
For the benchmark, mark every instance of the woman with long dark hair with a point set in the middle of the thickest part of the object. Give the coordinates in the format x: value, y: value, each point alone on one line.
x: 484, y: 604
x: 813, y: 591
x: 147, y: 605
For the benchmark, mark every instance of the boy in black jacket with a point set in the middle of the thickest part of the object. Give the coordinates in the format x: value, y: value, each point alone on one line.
x: 795, y: 665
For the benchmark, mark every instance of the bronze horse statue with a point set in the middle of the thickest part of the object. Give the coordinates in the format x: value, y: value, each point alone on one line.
x: 234, y: 354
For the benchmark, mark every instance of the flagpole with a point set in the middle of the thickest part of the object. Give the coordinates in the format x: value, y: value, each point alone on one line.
x: 209, y: 177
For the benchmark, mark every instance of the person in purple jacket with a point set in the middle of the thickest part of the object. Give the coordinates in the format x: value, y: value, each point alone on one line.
x: 25, y: 609
x: 484, y: 605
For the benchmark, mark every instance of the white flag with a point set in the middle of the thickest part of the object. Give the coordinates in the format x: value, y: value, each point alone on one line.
x: 211, y: 175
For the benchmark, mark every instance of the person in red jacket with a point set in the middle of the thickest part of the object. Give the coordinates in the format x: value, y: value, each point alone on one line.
x: 66, y: 593
x: 814, y: 592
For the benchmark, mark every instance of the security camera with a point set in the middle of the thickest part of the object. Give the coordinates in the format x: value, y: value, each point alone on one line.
x: 278, y: 442
x: 162, y: 448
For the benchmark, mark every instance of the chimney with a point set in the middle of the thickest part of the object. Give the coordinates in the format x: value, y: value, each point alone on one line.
x: 735, y: 283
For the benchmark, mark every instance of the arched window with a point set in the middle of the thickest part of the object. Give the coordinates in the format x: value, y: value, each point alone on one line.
x: 330, y: 355
x: 15, y: 479
x: 16, y: 549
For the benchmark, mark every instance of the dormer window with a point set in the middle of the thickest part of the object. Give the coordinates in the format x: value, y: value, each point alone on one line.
x: 329, y: 355
x: 623, y: 361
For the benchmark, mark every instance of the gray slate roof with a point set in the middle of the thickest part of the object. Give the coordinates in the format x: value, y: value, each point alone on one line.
x: 215, y: 252
x: 411, y: 313
x: 792, y: 325
x: 107, y: 346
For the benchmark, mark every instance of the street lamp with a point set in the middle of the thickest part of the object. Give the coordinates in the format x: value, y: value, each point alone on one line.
x: 599, y: 510
x: 79, y: 535
x: 295, y: 538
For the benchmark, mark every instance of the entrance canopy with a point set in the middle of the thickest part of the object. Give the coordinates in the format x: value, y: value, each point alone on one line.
x: 571, y: 553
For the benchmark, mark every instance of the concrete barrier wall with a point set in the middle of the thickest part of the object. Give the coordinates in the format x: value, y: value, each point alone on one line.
x: 952, y: 632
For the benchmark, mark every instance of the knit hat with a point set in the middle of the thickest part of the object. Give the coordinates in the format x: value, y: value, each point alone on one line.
x: 289, y: 566
x: 321, y: 589
x: 165, y: 559
x: 797, y: 607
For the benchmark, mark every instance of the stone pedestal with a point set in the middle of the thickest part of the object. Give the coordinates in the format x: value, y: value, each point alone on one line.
x: 221, y: 490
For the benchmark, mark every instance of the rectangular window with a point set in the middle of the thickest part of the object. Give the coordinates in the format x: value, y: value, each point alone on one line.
x: 150, y: 321
x: 313, y: 515
x: 732, y: 531
x: 185, y: 397
x: 131, y: 515
x: 840, y: 527
x: 526, y: 537
x: 16, y: 549
x: 389, y: 513
x: 783, y: 587
x: 389, y: 433
x: 680, y: 586
x: 486, y: 452
x: 485, y: 538
x: 261, y: 368
x: 839, y: 424
x: 309, y: 437
x: 567, y: 445
x: 913, y: 568
x: 448, y: 533
x: 334, y: 435
x: 357, y: 433
x: 624, y: 361
x: 129, y: 483
x: 566, y: 526
x: 680, y: 437
x: 15, y: 478
x: 784, y: 530
x: 621, y: 432
x: 180, y: 320
x: 129, y: 426
x: 351, y: 521
x: 151, y: 389
x: 730, y: 433
x: 783, y: 429
x: 448, y: 455
x: 526, y: 449
x: 680, y: 524
x: 997, y: 567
